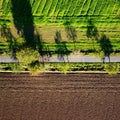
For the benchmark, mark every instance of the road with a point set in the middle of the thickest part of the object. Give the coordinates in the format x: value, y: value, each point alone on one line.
x: 71, y: 58
x: 76, y: 58
x: 51, y: 96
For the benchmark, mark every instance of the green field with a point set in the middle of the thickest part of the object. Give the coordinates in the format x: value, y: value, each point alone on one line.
x: 112, y: 68
x: 105, y: 13
x: 52, y: 15
x: 87, y: 26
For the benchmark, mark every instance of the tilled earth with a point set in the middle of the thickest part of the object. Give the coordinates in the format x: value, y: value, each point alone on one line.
x: 50, y: 96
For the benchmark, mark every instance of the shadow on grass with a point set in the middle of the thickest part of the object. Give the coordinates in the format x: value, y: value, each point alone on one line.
x: 92, y: 31
x: 24, y: 23
x: 6, y: 33
x: 106, y: 47
x: 71, y: 32
x: 61, y: 48
x: 43, y: 49
x: 23, y: 20
x: 104, y: 42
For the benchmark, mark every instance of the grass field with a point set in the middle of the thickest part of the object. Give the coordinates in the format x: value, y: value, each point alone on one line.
x: 105, y: 15
x: 103, y: 12
x: 111, y: 68
x: 87, y: 26
x: 51, y: 16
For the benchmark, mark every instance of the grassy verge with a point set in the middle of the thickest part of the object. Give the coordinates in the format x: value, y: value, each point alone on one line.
x: 111, y: 68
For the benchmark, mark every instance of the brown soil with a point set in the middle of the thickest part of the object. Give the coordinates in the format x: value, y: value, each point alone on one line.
x: 59, y: 97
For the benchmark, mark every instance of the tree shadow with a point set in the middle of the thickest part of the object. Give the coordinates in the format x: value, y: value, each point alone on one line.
x: 106, y: 47
x: 6, y: 33
x: 24, y: 23
x: 23, y: 20
x: 71, y: 32
x: 61, y: 47
x: 92, y: 31
x: 43, y: 49
x: 58, y: 37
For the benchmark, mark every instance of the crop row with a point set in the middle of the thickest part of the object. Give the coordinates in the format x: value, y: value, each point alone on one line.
x: 69, y: 7
x: 74, y: 8
x: 103, y: 12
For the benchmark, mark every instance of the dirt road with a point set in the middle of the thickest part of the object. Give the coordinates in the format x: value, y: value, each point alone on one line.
x: 71, y: 58
x: 81, y: 96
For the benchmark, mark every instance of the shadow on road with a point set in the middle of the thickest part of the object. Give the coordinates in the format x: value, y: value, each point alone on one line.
x: 106, y: 46
x: 104, y: 42
x: 61, y: 48
x: 43, y: 49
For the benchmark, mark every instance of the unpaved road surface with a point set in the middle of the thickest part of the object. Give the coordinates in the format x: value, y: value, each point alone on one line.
x: 70, y: 58
x: 81, y: 96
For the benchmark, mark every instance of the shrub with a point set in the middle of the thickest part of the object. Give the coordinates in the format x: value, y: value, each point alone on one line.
x: 64, y: 68
x: 111, y: 68
x: 27, y: 56
x: 36, y: 69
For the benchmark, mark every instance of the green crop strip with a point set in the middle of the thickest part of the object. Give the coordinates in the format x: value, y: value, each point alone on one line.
x: 105, y: 15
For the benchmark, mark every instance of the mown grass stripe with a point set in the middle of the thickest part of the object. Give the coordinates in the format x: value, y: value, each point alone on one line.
x: 45, y: 3
x: 46, y: 8
x: 68, y: 7
x: 49, y: 6
x: 81, y: 11
x: 98, y: 7
x: 32, y: 2
x: 41, y: 7
x: 95, y: 4
x: 62, y: 8
x: 37, y: 6
x: 72, y: 8
x: 92, y: 7
x: 109, y: 8
x: 78, y: 8
x: 88, y: 7
x: 102, y: 7
x: 73, y: 14
x: 58, y: 8
x: 53, y: 8
x: 34, y: 6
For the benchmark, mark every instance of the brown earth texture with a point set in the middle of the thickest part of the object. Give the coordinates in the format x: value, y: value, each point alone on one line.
x: 54, y: 96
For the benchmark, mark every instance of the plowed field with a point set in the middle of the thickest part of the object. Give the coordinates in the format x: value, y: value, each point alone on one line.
x: 80, y: 96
